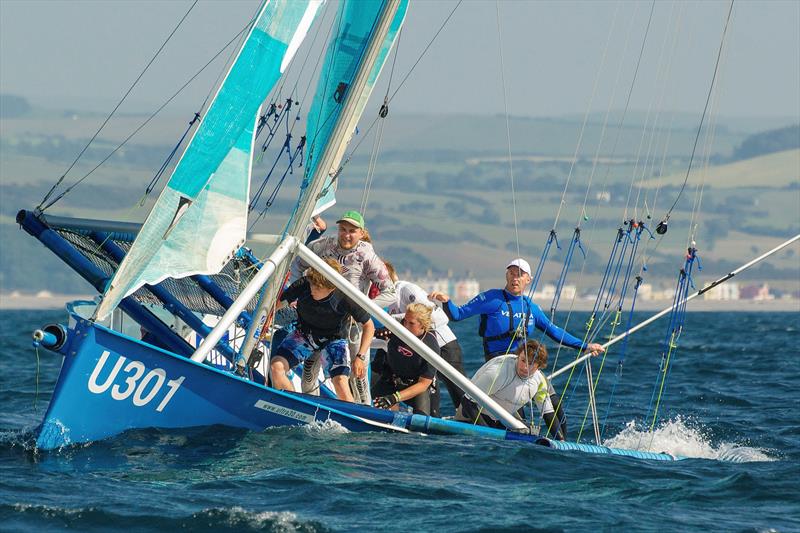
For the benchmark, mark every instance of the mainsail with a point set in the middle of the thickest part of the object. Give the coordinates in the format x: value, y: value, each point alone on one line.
x: 200, y: 218
x: 345, y: 52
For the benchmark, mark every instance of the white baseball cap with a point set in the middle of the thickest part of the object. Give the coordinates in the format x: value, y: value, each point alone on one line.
x: 522, y: 264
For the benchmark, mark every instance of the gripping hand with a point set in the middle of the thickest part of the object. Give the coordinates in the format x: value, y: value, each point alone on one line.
x: 385, y: 402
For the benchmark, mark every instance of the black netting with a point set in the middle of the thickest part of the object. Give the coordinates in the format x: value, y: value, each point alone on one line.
x: 234, y: 277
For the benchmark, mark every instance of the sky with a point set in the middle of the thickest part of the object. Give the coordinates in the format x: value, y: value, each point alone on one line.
x: 557, y: 57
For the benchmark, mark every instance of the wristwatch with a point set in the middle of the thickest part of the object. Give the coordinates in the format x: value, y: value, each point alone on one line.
x: 361, y: 356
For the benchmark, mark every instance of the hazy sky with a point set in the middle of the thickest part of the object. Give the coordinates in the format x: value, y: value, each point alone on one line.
x: 85, y: 54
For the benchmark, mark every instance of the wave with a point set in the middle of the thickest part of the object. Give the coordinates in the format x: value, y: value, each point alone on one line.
x: 676, y: 437
x: 211, y: 519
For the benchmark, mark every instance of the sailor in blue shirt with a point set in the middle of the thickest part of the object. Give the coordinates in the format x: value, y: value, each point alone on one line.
x: 504, y: 313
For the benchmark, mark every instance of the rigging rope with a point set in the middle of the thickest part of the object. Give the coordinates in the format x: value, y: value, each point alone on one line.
x: 383, y: 112
x: 674, y: 330
x: 662, y: 226
x: 39, y: 208
x: 508, y: 133
x: 42, y: 207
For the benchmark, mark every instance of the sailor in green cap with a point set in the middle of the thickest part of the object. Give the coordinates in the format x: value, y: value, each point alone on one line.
x: 362, y: 267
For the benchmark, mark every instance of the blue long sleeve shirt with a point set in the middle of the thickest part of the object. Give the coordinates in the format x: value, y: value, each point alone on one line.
x: 501, y: 314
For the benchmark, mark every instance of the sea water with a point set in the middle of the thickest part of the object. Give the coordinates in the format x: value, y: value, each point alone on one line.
x: 731, y: 406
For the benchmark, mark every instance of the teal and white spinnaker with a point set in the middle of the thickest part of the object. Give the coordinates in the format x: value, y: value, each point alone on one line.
x: 355, y: 21
x: 200, y: 218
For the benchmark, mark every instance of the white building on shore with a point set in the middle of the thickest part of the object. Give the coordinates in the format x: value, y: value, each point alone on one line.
x: 723, y: 292
x: 460, y: 290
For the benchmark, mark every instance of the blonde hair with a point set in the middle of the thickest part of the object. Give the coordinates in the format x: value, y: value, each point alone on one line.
x: 423, y: 315
x: 365, y: 235
x: 318, y: 280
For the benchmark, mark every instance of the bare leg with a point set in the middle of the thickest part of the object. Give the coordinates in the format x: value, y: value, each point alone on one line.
x: 342, y: 387
x: 279, y: 368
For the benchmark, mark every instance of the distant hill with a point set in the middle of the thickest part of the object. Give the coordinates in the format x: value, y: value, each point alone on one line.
x: 779, y: 169
x: 441, y: 197
x: 768, y: 142
x: 13, y: 106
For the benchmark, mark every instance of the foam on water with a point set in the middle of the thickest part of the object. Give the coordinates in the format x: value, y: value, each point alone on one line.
x: 216, y: 519
x: 328, y: 427
x: 676, y: 437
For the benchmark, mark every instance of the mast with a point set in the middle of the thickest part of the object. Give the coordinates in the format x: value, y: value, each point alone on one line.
x: 314, y: 185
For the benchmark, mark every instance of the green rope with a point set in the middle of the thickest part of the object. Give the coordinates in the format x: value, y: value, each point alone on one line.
x: 589, y: 325
x: 614, y: 325
x: 672, y: 345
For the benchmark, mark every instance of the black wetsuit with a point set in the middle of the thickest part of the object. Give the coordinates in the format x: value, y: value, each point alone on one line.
x: 400, y: 367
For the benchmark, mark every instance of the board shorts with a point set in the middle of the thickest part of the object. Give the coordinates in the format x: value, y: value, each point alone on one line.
x: 334, y: 354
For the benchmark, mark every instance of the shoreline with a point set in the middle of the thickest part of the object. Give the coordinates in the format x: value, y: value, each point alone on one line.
x: 28, y: 302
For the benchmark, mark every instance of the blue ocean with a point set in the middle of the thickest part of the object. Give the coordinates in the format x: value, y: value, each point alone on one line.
x: 730, y: 406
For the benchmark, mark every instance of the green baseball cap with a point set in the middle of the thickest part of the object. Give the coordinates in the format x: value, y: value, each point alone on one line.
x: 352, y: 217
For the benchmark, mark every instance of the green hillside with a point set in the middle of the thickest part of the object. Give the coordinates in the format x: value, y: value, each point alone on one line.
x: 779, y: 169
x: 441, y: 195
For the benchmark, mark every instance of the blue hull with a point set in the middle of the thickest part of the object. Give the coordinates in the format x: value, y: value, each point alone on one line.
x: 110, y: 383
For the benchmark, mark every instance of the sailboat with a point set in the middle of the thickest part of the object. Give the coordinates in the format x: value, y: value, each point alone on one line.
x: 189, y: 259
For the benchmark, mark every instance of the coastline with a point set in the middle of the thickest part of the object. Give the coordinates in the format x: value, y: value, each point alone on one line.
x: 29, y: 302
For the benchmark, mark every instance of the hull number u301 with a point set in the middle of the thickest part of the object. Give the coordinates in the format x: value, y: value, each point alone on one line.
x: 143, y: 388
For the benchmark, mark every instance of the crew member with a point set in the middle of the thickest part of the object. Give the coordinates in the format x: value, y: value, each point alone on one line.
x: 323, y: 316
x: 508, y: 317
x: 361, y: 266
x: 450, y: 350
x: 405, y: 375
x: 513, y: 381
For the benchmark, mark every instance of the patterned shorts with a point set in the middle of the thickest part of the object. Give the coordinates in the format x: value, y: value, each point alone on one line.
x: 296, y: 348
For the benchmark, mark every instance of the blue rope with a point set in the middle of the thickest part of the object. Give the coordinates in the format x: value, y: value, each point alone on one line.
x: 623, y: 351
x: 274, y: 127
x: 151, y: 186
x: 604, y: 281
x: 675, y: 327
x: 545, y: 252
x: 617, y: 269
x: 576, y: 238
x: 257, y: 195
x: 629, y: 269
x: 262, y: 120
x: 298, y: 152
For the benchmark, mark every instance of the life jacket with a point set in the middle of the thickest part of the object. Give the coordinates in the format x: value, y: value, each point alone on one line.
x: 509, y: 334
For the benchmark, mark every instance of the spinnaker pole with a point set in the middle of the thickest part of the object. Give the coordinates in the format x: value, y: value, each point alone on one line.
x: 655, y: 317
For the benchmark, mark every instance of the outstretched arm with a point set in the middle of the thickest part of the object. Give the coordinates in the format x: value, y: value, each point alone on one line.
x: 479, y: 305
x: 556, y: 333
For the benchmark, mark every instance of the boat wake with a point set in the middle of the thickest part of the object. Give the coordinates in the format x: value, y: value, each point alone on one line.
x: 676, y: 438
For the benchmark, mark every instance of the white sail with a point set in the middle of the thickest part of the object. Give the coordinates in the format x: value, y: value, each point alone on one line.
x: 200, y: 218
